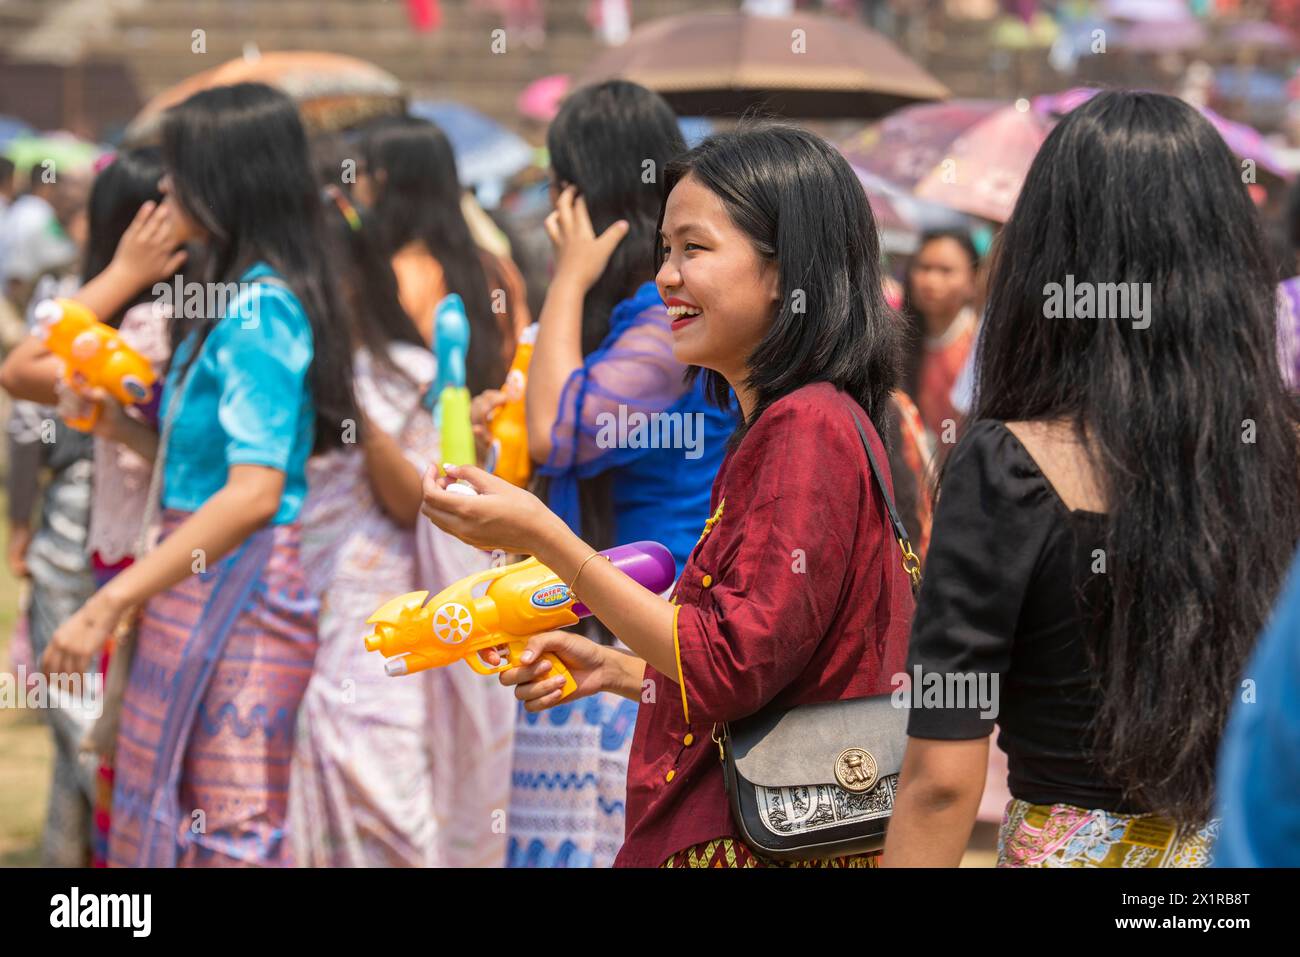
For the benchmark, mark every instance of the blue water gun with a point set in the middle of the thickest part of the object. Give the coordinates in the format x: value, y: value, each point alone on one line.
x: 448, y: 397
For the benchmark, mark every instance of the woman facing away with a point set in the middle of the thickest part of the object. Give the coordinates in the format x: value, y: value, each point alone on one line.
x: 603, y: 355
x: 408, y: 181
x: 388, y: 772
x: 795, y: 590
x: 1116, y: 523
x: 228, y: 633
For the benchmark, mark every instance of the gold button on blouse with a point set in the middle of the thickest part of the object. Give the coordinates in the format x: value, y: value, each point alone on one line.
x: 706, y: 581
x: 688, y: 740
x: 670, y: 775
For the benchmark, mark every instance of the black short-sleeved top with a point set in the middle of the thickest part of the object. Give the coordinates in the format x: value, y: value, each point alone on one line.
x: 1013, y: 583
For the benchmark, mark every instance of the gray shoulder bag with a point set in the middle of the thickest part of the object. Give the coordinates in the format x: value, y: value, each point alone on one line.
x: 818, y: 781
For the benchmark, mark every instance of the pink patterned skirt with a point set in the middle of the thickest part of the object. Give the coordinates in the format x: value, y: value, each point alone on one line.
x: 206, y: 738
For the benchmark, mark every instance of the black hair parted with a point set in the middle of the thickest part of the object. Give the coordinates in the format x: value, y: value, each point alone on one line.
x: 1184, y: 412
x: 418, y: 199
x: 802, y: 207
x: 238, y: 161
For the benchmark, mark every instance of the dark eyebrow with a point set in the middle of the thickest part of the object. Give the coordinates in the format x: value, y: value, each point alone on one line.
x: 684, y: 228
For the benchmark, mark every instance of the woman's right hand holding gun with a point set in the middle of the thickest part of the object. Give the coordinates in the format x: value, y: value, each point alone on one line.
x: 594, y: 667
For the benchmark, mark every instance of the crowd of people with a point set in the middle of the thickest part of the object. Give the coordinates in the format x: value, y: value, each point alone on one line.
x: 1103, y: 511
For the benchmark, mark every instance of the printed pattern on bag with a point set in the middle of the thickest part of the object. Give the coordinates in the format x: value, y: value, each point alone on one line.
x: 804, y: 809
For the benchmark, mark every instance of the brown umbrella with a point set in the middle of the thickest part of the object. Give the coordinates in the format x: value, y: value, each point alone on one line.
x: 333, y: 91
x: 806, y: 65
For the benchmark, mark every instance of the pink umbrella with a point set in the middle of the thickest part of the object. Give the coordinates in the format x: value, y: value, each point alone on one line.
x: 969, y: 155
x: 541, y: 98
x: 882, y: 206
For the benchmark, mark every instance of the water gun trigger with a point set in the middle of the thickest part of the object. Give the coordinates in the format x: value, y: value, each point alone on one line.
x: 476, y: 662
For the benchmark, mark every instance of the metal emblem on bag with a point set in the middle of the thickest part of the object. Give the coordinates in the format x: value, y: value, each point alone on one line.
x: 855, y: 770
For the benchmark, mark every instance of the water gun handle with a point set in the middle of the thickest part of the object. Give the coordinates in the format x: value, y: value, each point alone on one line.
x: 515, y: 661
x: 87, y: 422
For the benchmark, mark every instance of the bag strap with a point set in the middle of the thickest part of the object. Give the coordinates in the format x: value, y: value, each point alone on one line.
x: 911, y: 564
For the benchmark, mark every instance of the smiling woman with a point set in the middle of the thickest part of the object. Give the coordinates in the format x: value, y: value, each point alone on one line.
x: 795, y: 591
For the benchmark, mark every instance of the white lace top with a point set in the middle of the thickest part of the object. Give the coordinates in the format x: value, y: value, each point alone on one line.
x: 121, y: 477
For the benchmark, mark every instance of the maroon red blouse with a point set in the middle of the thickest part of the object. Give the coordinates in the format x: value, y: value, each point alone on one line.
x: 795, y: 593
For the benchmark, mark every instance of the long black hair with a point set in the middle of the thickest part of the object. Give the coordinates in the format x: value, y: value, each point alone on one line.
x: 1190, y: 429
x: 120, y: 189
x: 418, y: 198
x: 369, y: 287
x: 802, y: 207
x: 916, y: 331
x: 237, y: 157
x: 613, y: 141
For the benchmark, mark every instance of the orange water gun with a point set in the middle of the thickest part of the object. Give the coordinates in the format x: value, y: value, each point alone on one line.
x: 94, y: 356
x: 507, y: 424
x: 500, y: 606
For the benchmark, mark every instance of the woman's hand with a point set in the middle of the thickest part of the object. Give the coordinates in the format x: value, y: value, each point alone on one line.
x: 74, y: 402
x: 20, y: 539
x: 113, y: 421
x: 480, y: 411
x: 147, y: 251
x: 498, y: 516
x: 539, y: 689
x: 76, y: 641
x: 580, y: 255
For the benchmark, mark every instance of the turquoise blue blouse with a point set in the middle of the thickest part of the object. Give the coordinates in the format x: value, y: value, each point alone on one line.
x: 247, y: 400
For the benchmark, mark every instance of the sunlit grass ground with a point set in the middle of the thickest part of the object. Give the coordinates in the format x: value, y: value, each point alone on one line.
x: 25, y: 752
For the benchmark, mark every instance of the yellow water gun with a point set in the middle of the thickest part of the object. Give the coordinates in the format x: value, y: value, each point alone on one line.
x: 500, y: 606
x: 94, y: 356
x: 507, y: 424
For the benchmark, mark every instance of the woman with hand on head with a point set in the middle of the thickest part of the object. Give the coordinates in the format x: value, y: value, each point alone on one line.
x: 795, y: 592
x: 258, y: 381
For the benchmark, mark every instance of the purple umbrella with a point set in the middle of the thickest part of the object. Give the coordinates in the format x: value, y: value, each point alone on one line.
x: 969, y: 155
x: 1162, y: 36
